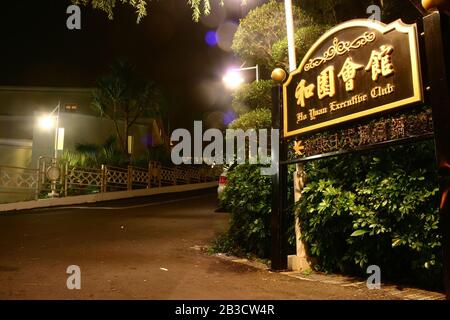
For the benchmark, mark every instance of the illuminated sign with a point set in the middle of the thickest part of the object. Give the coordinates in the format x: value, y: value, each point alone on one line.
x: 357, y: 69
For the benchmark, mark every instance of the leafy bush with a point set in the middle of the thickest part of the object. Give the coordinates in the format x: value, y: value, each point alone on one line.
x: 260, y: 29
x: 256, y: 119
x: 248, y: 194
x: 108, y: 153
x: 251, y: 96
x: 380, y: 208
x: 93, y: 155
x: 305, y: 37
x: 248, y: 197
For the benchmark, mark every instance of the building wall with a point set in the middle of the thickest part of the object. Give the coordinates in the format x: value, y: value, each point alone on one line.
x: 14, y: 153
x: 16, y: 140
x: 26, y: 101
x: 85, y: 129
x: 21, y: 107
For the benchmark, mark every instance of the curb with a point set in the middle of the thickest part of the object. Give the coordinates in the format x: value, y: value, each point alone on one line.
x: 100, y: 197
x: 404, y: 293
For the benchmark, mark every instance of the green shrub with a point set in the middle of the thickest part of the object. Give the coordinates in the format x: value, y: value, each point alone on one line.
x: 251, y: 96
x: 248, y: 195
x: 260, y: 29
x: 93, y: 156
x: 305, y: 37
x: 256, y: 119
x: 248, y: 198
x: 356, y: 210
x: 379, y: 208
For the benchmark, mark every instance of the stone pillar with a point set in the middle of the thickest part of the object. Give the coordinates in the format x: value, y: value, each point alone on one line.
x: 300, y: 261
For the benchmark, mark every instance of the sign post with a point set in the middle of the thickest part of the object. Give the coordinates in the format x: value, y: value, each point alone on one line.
x: 279, y: 180
x: 437, y: 45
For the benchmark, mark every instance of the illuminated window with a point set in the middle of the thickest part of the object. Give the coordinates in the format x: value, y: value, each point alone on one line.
x: 71, y: 107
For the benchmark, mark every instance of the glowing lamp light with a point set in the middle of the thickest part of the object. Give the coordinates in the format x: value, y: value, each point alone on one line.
x: 233, y: 79
x: 430, y: 4
x: 46, y: 122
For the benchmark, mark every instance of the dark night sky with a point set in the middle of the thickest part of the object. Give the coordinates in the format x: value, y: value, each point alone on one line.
x: 168, y: 47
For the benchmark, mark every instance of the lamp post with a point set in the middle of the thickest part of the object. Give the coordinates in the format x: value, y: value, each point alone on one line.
x: 53, y: 173
x: 52, y: 120
x: 57, y: 110
x: 290, y: 35
x: 233, y: 78
x: 279, y: 180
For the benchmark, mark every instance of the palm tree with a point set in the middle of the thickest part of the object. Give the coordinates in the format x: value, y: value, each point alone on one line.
x: 89, y: 155
x: 124, y: 97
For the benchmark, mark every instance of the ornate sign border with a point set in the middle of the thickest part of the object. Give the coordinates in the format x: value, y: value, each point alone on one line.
x: 398, y: 25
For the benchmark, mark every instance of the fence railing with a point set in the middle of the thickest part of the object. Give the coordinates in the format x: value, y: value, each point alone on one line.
x: 66, y: 180
x: 17, y: 180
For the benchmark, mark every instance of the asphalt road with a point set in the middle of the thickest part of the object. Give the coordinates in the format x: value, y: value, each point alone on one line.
x: 140, y: 249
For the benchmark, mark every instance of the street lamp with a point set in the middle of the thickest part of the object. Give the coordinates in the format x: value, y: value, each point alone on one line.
x: 48, y: 122
x: 233, y: 78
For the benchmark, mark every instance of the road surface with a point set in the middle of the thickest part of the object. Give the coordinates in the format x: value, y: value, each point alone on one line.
x: 137, y: 250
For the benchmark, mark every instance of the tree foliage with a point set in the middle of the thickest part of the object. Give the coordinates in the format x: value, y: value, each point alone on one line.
x: 124, y: 97
x: 248, y: 195
x: 256, y: 119
x: 375, y: 209
x: 108, y: 6
x: 262, y: 28
x: 328, y: 11
x: 251, y: 96
x: 199, y: 7
x: 305, y: 37
x: 93, y: 156
x: 335, y: 11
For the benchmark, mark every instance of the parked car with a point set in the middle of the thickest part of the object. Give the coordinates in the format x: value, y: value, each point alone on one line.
x: 222, y: 183
x: 223, y: 178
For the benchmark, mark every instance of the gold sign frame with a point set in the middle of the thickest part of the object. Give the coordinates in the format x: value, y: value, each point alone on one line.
x: 397, y: 25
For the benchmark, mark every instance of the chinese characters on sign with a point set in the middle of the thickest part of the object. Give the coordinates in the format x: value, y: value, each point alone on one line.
x: 381, y: 62
x: 352, y: 73
x: 398, y: 127
x: 348, y: 73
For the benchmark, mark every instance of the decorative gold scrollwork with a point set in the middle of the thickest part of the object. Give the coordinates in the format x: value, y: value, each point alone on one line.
x: 340, y: 48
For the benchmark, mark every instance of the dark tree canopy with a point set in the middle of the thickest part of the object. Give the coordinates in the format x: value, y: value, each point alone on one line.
x: 261, y: 29
x: 124, y: 97
x: 329, y: 11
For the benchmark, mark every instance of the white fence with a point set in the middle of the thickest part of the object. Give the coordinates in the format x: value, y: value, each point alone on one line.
x: 18, y: 184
